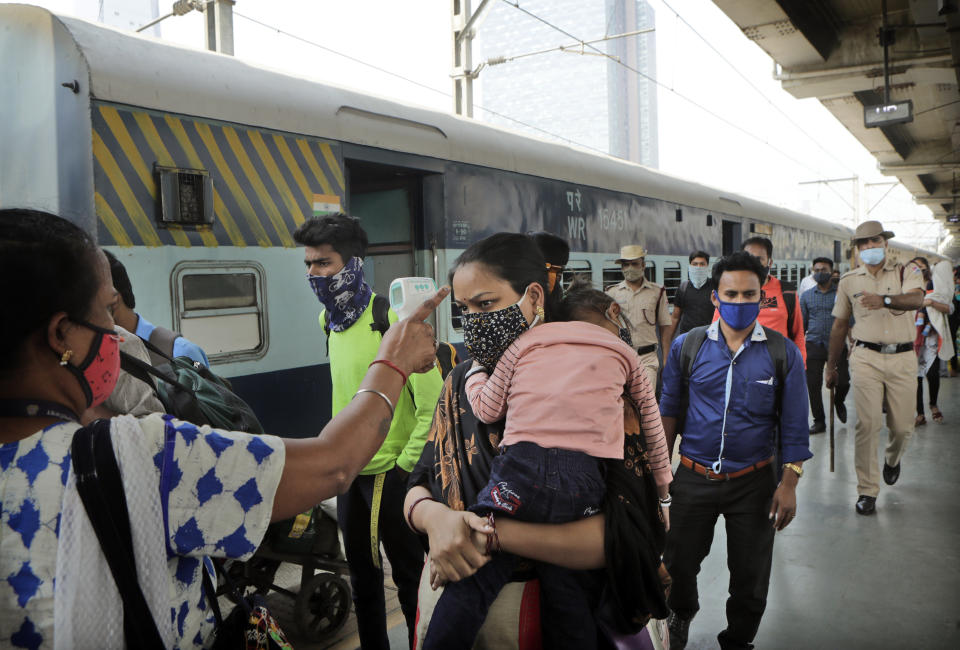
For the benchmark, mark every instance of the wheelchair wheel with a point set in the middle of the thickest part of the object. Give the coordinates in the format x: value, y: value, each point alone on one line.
x: 322, y: 606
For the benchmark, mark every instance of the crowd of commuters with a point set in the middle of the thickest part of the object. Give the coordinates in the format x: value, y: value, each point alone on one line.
x: 547, y: 454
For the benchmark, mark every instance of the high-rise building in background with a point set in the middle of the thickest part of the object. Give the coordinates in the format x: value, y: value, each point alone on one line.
x: 587, y: 98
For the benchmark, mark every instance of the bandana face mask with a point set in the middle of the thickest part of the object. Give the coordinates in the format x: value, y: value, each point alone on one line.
x: 487, y: 335
x: 98, y: 373
x: 698, y: 275
x: 345, y: 294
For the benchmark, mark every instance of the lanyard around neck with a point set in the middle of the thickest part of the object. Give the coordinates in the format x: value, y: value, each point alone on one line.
x: 34, y: 408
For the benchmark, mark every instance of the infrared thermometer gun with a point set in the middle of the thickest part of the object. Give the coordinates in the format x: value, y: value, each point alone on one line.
x: 407, y: 294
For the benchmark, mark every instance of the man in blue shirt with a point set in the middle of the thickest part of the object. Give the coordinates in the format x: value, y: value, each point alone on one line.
x: 130, y: 320
x: 727, y: 453
x: 817, y: 307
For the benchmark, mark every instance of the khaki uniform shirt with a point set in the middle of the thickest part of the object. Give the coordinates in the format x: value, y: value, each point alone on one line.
x: 878, y: 325
x: 645, y: 308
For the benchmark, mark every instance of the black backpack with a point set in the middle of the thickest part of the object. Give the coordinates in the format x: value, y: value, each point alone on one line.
x: 447, y: 356
x: 776, y: 347
x: 189, y: 391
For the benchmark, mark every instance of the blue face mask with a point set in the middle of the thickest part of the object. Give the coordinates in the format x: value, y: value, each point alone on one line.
x: 873, y: 256
x: 738, y: 315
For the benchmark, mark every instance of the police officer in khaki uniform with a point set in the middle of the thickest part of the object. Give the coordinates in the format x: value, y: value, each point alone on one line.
x: 882, y: 297
x: 644, y: 303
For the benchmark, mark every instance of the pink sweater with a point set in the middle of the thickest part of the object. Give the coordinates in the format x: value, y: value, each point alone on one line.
x: 562, y: 384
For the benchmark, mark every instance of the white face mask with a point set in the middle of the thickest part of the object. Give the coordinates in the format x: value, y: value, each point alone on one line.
x: 698, y: 275
x: 632, y: 274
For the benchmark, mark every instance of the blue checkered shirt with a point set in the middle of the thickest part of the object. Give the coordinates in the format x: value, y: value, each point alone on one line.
x: 817, y: 319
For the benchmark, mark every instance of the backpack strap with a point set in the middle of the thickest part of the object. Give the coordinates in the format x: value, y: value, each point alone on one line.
x: 777, y: 349
x: 143, y: 371
x: 692, y: 342
x: 101, y: 490
x: 791, y: 304
x: 381, y: 314
x: 161, y: 338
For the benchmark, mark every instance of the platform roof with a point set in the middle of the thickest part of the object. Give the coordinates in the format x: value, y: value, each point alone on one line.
x: 830, y: 49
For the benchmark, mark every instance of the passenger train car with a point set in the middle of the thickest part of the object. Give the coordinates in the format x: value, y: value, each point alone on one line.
x: 194, y: 168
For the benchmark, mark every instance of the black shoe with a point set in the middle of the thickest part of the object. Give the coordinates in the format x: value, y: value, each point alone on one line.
x: 818, y: 427
x: 679, y: 630
x: 841, y: 412
x: 891, y: 474
x: 866, y: 505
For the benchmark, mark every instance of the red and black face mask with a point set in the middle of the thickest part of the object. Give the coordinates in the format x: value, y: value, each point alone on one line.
x: 99, y: 371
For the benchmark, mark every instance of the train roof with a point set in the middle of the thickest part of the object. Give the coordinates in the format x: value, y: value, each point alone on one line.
x: 142, y: 71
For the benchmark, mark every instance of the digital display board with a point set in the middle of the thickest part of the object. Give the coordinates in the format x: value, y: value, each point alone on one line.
x: 887, y: 114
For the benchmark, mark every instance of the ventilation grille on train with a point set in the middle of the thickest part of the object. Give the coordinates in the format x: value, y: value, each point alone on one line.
x: 186, y: 197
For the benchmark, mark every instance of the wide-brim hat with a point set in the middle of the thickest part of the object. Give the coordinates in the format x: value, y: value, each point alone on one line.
x: 630, y: 253
x: 869, y: 229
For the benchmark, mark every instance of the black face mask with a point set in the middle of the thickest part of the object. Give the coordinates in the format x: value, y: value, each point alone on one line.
x: 487, y: 335
x: 822, y: 278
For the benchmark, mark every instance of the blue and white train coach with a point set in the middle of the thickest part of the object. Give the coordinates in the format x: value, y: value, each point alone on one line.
x: 194, y: 168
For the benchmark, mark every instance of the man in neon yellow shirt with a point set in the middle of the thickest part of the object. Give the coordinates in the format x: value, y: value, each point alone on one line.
x: 371, y: 511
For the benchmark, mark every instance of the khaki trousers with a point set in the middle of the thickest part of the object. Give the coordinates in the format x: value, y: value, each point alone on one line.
x: 651, y: 364
x: 873, y: 375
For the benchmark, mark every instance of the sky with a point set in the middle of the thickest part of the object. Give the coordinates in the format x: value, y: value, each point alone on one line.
x: 714, y: 126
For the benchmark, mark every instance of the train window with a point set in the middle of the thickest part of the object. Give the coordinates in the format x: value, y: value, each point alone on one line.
x: 222, y: 308
x: 773, y: 271
x: 611, y: 275
x: 455, y: 311
x: 576, y: 270
x: 186, y: 197
x: 679, y: 215
x: 650, y: 272
x: 672, y: 277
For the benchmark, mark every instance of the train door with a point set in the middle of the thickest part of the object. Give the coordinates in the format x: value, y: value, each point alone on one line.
x: 388, y: 201
x: 731, y: 236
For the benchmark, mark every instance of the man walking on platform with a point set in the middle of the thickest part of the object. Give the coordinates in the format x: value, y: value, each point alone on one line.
x: 779, y: 309
x: 693, y: 305
x: 645, y: 305
x: 730, y: 395
x: 881, y: 296
x: 817, y: 307
x: 371, y: 510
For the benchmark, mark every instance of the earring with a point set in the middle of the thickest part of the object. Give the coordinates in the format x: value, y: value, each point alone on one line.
x: 542, y: 314
x: 65, y: 357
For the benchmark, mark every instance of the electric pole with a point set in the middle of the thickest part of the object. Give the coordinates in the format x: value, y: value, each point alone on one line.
x: 465, y: 24
x: 218, y: 17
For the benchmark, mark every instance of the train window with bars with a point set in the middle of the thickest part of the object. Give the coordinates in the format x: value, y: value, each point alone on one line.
x: 611, y: 275
x: 222, y: 308
x: 650, y: 272
x: 576, y: 270
x: 672, y: 277
x: 773, y: 271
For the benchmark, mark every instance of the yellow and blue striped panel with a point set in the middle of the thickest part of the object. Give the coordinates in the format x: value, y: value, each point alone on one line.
x: 264, y: 182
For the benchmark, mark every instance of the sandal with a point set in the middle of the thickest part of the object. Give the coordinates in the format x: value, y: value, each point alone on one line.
x: 936, y: 415
x: 920, y: 420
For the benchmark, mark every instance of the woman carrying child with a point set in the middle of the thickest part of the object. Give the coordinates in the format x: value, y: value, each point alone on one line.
x: 504, y: 277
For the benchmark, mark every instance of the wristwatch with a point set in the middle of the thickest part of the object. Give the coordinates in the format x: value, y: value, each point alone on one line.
x: 796, y: 468
x: 887, y: 301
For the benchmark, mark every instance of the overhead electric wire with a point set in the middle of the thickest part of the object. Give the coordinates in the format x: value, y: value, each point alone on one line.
x: 935, y: 108
x: 516, y: 5
x: 752, y: 85
x: 412, y: 81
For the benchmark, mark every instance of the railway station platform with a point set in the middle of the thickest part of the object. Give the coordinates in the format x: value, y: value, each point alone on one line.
x: 840, y: 580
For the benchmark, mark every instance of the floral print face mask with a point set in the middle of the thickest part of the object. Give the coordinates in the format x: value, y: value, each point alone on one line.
x: 345, y: 294
x: 487, y: 335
